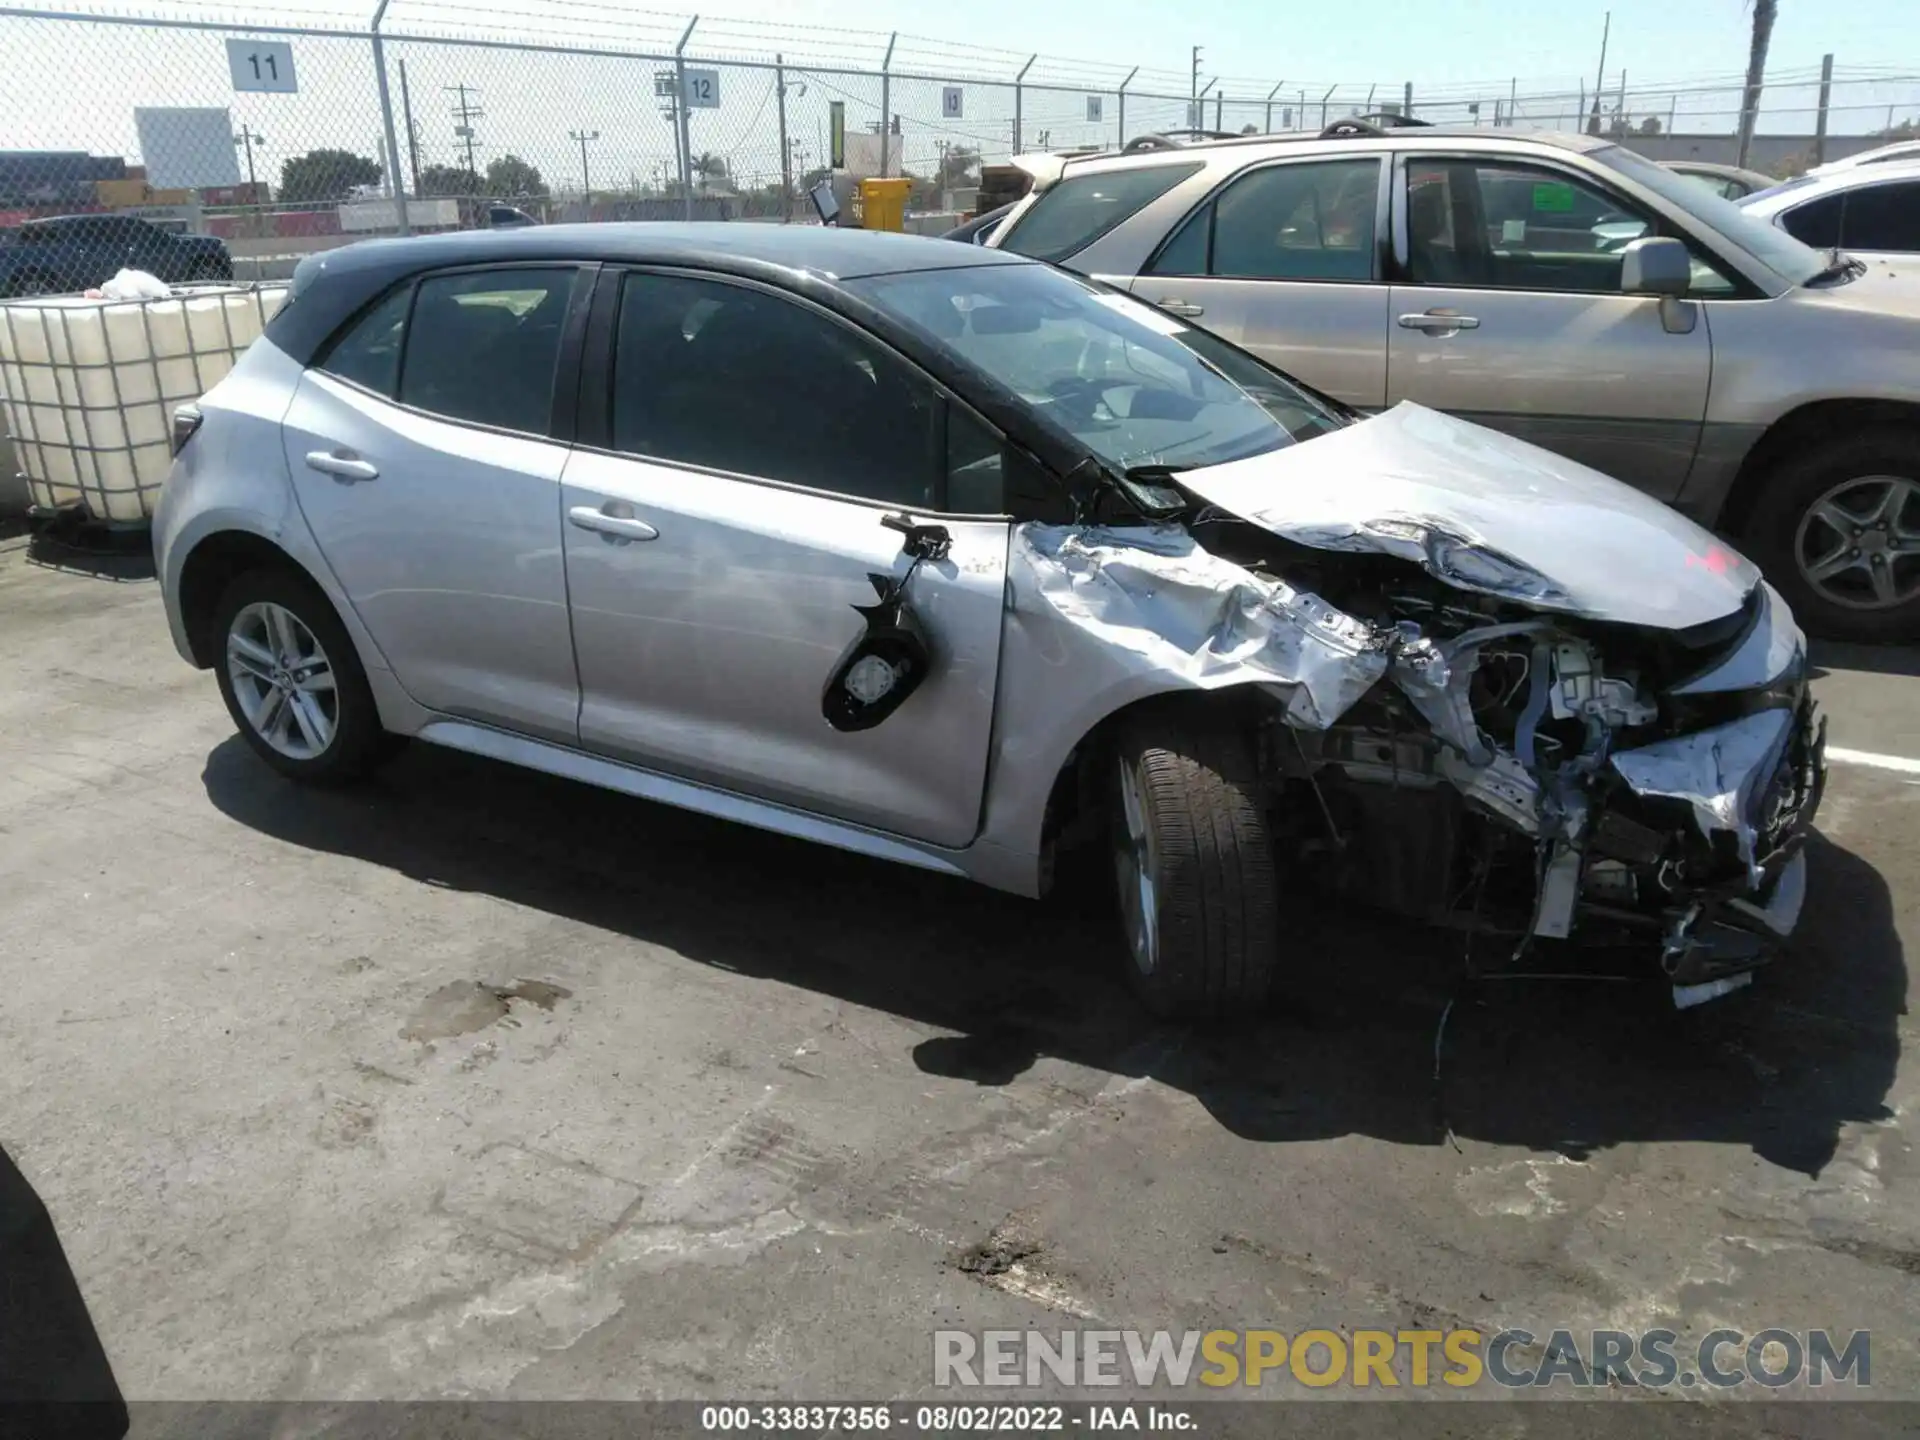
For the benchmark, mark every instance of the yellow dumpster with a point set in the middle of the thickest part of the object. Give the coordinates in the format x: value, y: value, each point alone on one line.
x: 883, y: 204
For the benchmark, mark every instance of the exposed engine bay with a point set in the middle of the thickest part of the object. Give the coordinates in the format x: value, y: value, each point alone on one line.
x: 1474, y: 761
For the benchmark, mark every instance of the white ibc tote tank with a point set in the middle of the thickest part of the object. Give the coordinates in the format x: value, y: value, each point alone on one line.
x: 90, y: 387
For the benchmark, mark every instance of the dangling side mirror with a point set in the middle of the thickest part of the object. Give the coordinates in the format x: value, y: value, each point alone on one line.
x: 882, y: 667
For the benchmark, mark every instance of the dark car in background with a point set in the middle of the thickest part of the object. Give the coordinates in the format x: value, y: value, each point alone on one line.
x: 66, y: 254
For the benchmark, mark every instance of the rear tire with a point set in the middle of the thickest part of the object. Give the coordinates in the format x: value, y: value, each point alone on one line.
x: 292, y: 680
x: 1844, y: 478
x: 1194, y: 866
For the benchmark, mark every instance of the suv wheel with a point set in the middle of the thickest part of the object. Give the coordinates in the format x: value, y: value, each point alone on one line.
x: 1838, y: 532
x: 292, y: 681
x: 1194, y: 865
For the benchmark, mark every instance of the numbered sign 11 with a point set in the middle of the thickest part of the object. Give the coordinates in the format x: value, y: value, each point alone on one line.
x: 261, y: 65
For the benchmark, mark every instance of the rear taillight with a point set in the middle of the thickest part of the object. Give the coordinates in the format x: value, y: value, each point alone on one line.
x: 186, y: 420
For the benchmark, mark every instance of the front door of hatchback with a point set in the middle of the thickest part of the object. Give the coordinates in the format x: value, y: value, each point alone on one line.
x: 721, y: 531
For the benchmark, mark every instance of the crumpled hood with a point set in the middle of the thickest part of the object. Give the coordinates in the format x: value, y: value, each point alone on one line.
x: 1487, y: 513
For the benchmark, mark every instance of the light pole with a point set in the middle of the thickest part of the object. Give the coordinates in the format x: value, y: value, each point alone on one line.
x: 249, y: 139
x: 586, y: 182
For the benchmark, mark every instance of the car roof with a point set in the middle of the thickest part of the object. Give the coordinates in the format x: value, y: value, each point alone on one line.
x: 821, y: 250
x: 1715, y: 167
x: 1399, y: 136
x: 332, y: 285
x: 1828, y: 182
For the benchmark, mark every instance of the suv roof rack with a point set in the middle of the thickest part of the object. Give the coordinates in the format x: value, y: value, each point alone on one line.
x: 1377, y: 123
x: 1165, y: 139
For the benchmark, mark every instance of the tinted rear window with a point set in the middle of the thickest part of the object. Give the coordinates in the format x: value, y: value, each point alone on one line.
x: 1079, y: 210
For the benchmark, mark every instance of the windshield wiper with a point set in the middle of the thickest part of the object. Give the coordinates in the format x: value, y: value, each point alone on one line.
x: 1839, y: 266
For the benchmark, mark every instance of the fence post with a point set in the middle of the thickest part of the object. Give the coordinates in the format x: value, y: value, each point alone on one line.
x: 685, y: 136
x: 1219, y: 111
x: 1820, y: 121
x: 1120, y: 131
x: 1324, y: 99
x: 413, y: 138
x: 396, y: 185
x: 1019, y: 101
x: 1270, y: 94
x: 786, y: 155
x: 886, y: 111
x: 1406, y: 104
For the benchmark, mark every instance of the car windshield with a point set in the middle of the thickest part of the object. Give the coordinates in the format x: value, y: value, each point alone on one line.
x: 1774, y: 248
x: 1129, y: 382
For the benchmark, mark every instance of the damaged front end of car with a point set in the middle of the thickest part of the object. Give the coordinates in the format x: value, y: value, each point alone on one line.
x: 1456, y: 729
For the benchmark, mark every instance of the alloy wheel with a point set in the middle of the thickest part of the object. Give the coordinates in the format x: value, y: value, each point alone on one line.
x: 283, y: 680
x: 1134, y: 863
x: 1858, y: 545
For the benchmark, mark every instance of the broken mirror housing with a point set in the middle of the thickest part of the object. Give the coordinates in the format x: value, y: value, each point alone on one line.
x: 886, y: 663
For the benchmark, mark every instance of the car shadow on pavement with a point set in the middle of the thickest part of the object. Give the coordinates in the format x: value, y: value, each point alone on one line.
x: 1349, y: 1047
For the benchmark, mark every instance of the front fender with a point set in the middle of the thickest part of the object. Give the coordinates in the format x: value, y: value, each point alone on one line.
x: 1101, y: 620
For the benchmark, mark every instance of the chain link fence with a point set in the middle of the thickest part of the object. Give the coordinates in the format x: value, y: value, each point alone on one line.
x: 311, y: 131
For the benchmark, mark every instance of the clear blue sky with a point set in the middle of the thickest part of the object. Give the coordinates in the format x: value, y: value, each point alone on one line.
x: 1440, y: 41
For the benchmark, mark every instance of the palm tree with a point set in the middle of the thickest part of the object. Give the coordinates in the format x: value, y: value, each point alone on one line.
x: 709, y: 169
x: 1764, y: 14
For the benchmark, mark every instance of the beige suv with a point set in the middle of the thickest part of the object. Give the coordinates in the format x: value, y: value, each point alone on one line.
x: 1558, y: 287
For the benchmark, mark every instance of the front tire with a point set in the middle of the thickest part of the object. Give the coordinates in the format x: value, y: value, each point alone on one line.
x: 292, y: 680
x: 1194, y: 867
x: 1837, y: 531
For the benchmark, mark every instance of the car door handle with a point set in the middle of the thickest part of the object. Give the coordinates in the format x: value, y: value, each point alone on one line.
x: 613, y: 524
x: 1438, y: 320
x: 1180, y: 307
x: 343, y: 465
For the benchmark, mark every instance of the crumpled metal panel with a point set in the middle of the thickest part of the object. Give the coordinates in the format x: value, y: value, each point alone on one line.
x: 1717, y: 771
x: 1153, y: 594
x: 1489, y: 513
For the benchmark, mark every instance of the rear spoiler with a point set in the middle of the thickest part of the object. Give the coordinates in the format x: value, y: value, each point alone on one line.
x: 1045, y: 170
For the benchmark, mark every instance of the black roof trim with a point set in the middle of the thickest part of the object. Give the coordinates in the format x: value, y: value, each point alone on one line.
x: 332, y: 286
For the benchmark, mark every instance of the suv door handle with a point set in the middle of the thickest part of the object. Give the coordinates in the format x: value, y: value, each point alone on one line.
x: 343, y: 465
x: 1180, y: 307
x: 1435, y: 321
x: 615, y: 520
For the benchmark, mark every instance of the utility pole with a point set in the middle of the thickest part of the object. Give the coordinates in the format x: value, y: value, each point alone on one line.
x: 249, y: 139
x: 413, y: 131
x: 1600, y: 79
x: 786, y: 148
x: 586, y: 180
x: 466, y: 114
x: 1820, y: 121
x: 1193, y: 92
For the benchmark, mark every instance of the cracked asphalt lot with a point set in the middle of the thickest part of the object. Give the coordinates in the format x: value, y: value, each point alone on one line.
x: 477, y: 1083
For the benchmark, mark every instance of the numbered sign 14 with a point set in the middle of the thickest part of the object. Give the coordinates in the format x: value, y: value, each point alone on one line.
x: 261, y: 65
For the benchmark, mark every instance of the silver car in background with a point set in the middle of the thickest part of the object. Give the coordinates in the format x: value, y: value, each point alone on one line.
x: 952, y: 559
x: 1560, y: 288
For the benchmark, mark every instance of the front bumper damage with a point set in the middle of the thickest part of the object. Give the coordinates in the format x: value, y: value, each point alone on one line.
x: 1690, y: 839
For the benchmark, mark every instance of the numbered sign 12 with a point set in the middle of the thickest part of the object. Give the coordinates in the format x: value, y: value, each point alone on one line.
x: 261, y: 65
x: 953, y: 103
x: 703, y: 89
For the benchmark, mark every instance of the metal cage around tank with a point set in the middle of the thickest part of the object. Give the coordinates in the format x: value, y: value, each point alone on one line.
x: 89, y: 386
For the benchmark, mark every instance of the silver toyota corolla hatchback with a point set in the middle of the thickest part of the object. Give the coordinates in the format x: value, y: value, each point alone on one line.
x: 951, y: 558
